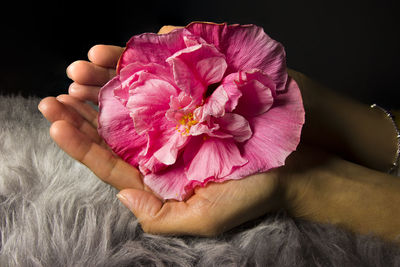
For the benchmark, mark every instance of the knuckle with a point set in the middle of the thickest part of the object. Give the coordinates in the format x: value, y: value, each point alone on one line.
x: 112, y: 161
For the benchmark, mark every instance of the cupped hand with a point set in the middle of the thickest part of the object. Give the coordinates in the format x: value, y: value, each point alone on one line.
x: 209, y: 211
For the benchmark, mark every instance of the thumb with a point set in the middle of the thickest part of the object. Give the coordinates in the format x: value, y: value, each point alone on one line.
x: 142, y: 203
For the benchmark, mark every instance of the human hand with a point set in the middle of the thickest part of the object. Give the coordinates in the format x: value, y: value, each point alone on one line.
x: 209, y: 211
x: 89, y: 76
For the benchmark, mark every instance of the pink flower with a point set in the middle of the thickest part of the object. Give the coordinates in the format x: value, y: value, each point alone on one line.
x: 208, y: 102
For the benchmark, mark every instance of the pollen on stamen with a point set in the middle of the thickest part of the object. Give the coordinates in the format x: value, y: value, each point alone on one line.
x: 187, y: 121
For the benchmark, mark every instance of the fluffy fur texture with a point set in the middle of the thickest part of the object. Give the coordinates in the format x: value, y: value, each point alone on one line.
x: 54, y: 212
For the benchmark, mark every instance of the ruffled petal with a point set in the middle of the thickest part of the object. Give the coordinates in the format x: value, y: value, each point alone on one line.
x: 246, y: 47
x: 258, y: 93
x: 276, y: 134
x: 196, y: 67
x: 168, y: 153
x: 169, y: 183
x: 230, y: 86
x: 149, y: 102
x: 135, y: 74
x: 235, y: 125
x: 214, y: 106
x: 151, y: 48
x: 162, y: 132
x: 212, y: 33
x: 211, y: 158
x: 208, y: 129
x: 116, y: 126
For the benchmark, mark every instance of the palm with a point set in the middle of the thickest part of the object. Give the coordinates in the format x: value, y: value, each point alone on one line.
x: 210, y: 210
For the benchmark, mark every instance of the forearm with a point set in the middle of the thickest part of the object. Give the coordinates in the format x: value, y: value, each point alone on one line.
x: 346, y: 127
x: 345, y: 194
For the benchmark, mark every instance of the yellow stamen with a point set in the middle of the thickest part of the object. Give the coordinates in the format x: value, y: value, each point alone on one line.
x: 187, y: 121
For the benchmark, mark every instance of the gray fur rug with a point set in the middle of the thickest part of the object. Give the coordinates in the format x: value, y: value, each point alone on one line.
x: 54, y: 212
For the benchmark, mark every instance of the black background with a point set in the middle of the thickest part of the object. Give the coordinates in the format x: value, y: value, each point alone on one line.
x: 351, y: 46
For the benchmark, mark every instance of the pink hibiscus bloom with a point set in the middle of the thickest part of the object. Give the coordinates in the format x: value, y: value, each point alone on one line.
x: 208, y: 102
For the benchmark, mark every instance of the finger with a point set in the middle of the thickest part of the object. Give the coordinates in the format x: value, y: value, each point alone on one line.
x: 87, y: 73
x: 54, y: 110
x: 105, y: 55
x: 101, y: 161
x: 84, y: 92
x: 168, y: 28
x: 84, y: 109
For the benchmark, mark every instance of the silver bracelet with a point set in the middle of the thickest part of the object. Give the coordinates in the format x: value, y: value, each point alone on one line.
x: 395, y: 164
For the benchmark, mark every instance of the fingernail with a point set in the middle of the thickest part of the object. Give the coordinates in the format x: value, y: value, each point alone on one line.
x: 72, y: 89
x: 59, y: 98
x: 124, y: 201
x: 70, y: 69
x: 90, y: 52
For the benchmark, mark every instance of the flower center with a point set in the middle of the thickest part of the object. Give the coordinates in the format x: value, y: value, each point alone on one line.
x: 187, y: 121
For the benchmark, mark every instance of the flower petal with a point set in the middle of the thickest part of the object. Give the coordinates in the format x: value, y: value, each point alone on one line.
x: 169, y: 183
x: 211, y: 158
x: 196, y: 67
x: 135, y: 74
x: 214, y: 106
x: 209, y: 129
x: 186, y: 81
x: 246, y: 47
x: 161, y: 133
x: 276, y: 134
x: 149, y: 102
x: 257, y: 93
x: 168, y: 153
x: 235, y: 125
x: 231, y: 88
x: 151, y: 48
x: 116, y: 126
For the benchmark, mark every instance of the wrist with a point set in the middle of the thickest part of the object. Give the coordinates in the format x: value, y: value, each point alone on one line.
x: 344, y: 194
x: 298, y: 177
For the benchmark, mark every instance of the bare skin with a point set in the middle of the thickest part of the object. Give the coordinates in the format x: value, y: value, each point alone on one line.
x: 217, y: 207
